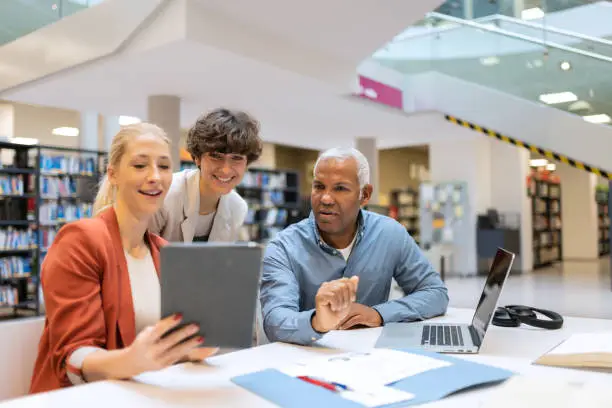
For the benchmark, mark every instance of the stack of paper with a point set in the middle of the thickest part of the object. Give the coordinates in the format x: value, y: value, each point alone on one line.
x: 587, y: 350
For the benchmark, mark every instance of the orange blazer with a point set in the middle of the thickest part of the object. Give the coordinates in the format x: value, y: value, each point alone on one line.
x: 88, y: 297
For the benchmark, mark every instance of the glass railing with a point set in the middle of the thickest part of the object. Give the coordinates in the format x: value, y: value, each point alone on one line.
x: 525, y: 9
x: 21, y: 17
x: 564, y: 76
x: 551, y: 35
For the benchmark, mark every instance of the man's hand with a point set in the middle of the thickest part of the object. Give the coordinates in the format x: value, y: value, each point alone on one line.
x: 333, y: 303
x: 361, y: 315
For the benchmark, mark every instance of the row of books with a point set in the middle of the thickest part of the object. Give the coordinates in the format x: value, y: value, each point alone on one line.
x: 67, y: 164
x: 260, y: 198
x: 15, y: 267
x: 46, y: 236
x: 13, y: 238
x: 271, y: 216
x: 275, y: 216
x: 410, y: 224
x: 8, y: 296
x: 270, y: 198
x: 13, y: 185
x: 264, y: 179
x: 54, y: 187
x: 13, y: 209
x: 257, y: 232
x: 53, y: 213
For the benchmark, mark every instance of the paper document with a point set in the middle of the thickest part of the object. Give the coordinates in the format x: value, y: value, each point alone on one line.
x: 377, y: 367
x: 539, y: 392
x: 585, y: 343
x: 377, y: 396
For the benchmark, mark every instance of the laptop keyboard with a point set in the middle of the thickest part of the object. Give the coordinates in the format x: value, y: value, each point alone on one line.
x: 442, y: 335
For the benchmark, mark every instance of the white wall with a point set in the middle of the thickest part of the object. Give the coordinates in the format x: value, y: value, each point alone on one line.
x: 18, y: 350
x: 467, y: 159
x: 496, y: 175
x: 267, y: 160
x: 530, y: 122
x: 579, y: 220
x: 509, y: 169
x: 37, y: 122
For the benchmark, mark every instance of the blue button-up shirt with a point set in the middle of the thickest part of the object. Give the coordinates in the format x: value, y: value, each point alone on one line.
x: 297, y: 261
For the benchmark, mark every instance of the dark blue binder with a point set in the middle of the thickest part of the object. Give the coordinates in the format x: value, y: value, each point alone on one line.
x: 291, y: 392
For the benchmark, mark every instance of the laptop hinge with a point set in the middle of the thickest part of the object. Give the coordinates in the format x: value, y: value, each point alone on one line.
x: 475, y: 336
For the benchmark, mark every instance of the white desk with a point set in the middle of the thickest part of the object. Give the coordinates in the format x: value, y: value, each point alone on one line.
x: 199, y: 385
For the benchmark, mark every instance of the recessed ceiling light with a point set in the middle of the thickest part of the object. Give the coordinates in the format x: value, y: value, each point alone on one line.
x: 600, y: 118
x: 532, y: 13
x: 489, y: 61
x: 23, y: 140
x: 560, y: 97
x: 580, y: 106
x: 66, y: 131
x: 538, y: 162
x: 128, y: 120
x: 551, y: 166
x: 566, y: 66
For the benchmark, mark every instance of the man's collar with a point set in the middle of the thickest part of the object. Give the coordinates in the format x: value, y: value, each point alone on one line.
x: 361, y: 226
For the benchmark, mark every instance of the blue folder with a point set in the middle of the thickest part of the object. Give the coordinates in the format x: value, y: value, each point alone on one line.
x: 432, y: 385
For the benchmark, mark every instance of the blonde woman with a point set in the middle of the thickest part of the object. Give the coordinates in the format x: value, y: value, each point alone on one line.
x: 100, y: 277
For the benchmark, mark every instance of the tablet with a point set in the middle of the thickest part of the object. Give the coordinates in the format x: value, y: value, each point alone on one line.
x: 214, y: 285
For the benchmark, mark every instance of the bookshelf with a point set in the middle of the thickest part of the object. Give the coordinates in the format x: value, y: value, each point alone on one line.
x: 377, y: 208
x: 545, y: 192
x: 603, y: 219
x: 404, y: 207
x: 41, y: 189
x: 273, y: 197
x: 188, y: 164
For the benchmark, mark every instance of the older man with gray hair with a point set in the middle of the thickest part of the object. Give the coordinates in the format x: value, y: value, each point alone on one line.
x: 334, y: 270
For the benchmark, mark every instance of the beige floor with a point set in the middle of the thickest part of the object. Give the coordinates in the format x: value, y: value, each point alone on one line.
x: 569, y: 288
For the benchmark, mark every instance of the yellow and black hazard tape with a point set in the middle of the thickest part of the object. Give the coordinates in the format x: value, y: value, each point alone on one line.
x: 547, y: 153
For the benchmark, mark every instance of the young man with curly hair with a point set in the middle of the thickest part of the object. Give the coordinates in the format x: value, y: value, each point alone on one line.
x: 201, y: 204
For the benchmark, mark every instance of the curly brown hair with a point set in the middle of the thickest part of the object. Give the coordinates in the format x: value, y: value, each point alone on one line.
x: 225, y: 131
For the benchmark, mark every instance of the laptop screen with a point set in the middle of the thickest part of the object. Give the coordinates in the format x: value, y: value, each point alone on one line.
x: 492, y: 289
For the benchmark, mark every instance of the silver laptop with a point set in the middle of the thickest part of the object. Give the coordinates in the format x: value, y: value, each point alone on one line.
x: 215, y: 285
x: 454, y: 337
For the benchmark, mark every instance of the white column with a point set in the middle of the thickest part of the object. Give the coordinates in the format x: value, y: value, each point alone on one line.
x: 111, y: 128
x: 509, y: 170
x: 165, y: 112
x: 367, y: 146
x: 7, y: 121
x: 464, y: 159
x: 518, y: 6
x: 579, y: 221
x: 88, y: 131
x: 7, y: 130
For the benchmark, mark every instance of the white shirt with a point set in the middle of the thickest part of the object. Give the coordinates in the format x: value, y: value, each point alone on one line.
x: 146, y: 293
x: 146, y: 297
x: 204, y: 224
x: 346, y: 252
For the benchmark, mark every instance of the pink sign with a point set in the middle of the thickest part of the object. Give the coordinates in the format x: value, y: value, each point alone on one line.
x: 379, y: 92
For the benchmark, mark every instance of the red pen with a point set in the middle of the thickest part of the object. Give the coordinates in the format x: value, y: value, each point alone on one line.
x: 323, y: 384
